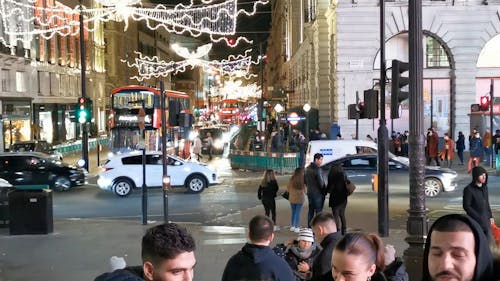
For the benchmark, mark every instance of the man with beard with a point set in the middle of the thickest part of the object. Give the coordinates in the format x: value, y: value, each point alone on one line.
x: 167, y: 255
x: 457, y: 249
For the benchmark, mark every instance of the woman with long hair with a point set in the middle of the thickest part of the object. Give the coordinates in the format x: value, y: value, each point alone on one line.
x: 297, y: 194
x: 267, y: 193
x: 338, y: 195
x: 359, y: 257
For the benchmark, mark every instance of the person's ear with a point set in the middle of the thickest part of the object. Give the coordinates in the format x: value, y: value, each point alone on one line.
x: 372, y: 270
x: 271, y: 238
x: 148, y: 269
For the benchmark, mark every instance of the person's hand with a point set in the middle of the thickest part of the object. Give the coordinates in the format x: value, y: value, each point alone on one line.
x: 303, y: 266
x: 492, y: 221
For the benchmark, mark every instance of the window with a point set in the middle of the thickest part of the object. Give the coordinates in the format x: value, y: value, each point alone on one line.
x: 5, y: 80
x: 436, y: 56
x: 132, y: 160
x: 20, y: 81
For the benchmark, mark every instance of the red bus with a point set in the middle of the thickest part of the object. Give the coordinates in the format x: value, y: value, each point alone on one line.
x: 126, y: 103
x: 230, y: 110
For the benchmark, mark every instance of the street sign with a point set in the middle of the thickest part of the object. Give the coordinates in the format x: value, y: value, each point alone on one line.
x: 142, y: 114
x: 293, y: 118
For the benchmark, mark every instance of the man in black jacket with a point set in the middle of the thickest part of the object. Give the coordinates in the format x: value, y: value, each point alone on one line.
x: 167, y: 255
x: 457, y: 249
x: 326, y: 233
x: 256, y: 261
x: 316, y: 190
x: 476, y: 202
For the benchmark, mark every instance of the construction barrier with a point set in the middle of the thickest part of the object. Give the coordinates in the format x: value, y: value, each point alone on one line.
x: 260, y: 161
x: 66, y: 149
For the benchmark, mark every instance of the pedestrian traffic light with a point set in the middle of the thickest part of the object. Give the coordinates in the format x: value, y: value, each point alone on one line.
x: 84, y: 110
x: 371, y: 103
x: 398, y: 83
x: 361, y: 109
x: 352, y: 113
x: 484, y: 103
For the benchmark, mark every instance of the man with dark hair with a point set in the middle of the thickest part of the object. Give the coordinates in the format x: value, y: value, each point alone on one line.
x: 476, y: 202
x: 167, y: 255
x: 326, y: 233
x: 457, y: 249
x: 316, y: 189
x: 257, y: 261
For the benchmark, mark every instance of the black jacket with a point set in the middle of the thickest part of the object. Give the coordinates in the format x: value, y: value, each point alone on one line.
x: 396, y: 271
x: 476, y: 202
x: 337, y: 189
x: 257, y: 263
x: 312, y: 178
x: 268, y: 192
x: 134, y: 273
x: 322, y: 265
x: 484, y: 259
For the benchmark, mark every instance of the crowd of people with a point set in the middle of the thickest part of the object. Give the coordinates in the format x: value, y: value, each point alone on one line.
x: 457, y: 246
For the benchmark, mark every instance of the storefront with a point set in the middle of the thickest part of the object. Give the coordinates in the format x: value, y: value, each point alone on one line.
x: 52, y: 122
x: 16, y: 121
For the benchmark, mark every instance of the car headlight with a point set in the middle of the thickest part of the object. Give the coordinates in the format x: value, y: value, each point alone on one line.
x: 449, y: 175
x: 218, y: 143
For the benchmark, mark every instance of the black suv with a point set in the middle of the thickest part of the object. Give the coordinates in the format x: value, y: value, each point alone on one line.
x: 33, y: 168
x: 36, y: 146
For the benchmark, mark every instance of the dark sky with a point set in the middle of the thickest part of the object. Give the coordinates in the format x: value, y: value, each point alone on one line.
x: 255, y: 28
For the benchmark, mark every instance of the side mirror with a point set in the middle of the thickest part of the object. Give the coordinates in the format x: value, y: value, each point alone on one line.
x: 177, y: 163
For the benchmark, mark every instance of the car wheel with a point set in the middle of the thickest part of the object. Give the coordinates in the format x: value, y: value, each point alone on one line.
x: 432, y: 187
x: 123, y: 187
x: 61, y: 183
x: 196, y: 184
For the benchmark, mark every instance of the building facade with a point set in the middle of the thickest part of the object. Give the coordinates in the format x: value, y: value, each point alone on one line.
x: 335, y: 53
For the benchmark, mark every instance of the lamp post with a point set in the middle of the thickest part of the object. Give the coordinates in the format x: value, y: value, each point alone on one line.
x: 85, y: 131
x: 307, y: 108
x: 279, y: 108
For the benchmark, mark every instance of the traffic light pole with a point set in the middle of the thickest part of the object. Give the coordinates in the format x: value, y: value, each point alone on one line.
x: 417, y: 214
x: 164, y: 151
x: 383, y: 155
x: 357, y: 117
x: 492, y: 153
x: 84, y: 126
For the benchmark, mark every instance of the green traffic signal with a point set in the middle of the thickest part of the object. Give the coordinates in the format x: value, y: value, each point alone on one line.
x: 83, y: 110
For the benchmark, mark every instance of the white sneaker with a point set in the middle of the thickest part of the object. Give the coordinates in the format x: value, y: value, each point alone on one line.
x: 297, y: 230
x: 292, y: 229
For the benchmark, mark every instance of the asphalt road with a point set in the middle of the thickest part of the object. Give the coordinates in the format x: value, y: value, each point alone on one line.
x: 235, y: 195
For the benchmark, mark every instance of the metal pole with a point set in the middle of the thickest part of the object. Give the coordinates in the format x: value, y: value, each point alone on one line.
x: 491, y: 124
x: 357, y: 116
x: 260, y: 109
x: 383, y: 155
x: 307, y: 125
x: 164, y: 148
x: 144, y: 188
x: 417, y: 223
x: 85, y: 132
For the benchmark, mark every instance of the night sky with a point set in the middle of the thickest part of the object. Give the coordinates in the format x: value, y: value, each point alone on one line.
x: 255, y: 28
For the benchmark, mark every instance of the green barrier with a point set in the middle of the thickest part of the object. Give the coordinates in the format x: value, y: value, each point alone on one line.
x: 280, y: 162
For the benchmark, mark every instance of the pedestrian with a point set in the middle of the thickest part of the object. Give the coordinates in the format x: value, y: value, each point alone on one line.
x: 457, y: 249
x: 487, y: 146
x: 404, y: 143
x: 395, y: 269
x: 496, y: 142
x: 167, y: 255
x: 337, y: 181
x: 447, y: 152
x: 267, y: 193
x: 301, y: 143
x: 476, y: 151
x: 316, y: 190
x: 197, y: 147
x: 359, y: 256
x: 210, y: 143
x: 432, y: 146
x: 461, y: 147
x: 327, y: 235
x: 476, y: 202
x: 301, y: 254
x: 296, y: 190
x: 256, y: 260
x: 472, y: 134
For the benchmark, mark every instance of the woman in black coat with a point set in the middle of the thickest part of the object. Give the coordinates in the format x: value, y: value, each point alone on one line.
x: 338, y: 195
x: 267, y: 193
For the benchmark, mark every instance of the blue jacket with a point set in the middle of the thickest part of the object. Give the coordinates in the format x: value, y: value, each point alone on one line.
x: 257, y: 263
x: 476, y: 147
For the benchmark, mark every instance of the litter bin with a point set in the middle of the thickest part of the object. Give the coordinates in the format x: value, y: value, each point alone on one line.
x: 30, y: 212
x: 4, y: 206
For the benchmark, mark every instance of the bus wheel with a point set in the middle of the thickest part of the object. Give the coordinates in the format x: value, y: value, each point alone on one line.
x: 196, y: 184
x: 122, y: 187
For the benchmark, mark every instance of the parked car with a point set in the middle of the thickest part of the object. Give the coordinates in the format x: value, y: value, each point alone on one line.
x: 360, y: 168
x: 122, y: 173
x: 36, y: 146
x: 35, y: 168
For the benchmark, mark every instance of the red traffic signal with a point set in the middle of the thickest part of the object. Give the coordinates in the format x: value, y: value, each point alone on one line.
x: 484, y: 103
x: 231, y: 41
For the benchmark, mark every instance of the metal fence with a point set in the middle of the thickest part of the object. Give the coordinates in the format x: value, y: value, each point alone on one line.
x: 260, y: 161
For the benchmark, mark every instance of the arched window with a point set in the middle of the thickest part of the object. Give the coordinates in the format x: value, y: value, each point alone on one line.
x: 435, y: 54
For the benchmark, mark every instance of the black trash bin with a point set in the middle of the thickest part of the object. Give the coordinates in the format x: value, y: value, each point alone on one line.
x: 30, y: 212
x: 4, y: 206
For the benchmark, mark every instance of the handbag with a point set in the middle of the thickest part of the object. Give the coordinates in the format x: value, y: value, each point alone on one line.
x: 495, y: 230
x: 286, y: 195
x: 350, y: 186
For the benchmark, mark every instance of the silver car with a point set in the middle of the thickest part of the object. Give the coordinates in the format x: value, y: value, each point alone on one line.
x: 361, y: 168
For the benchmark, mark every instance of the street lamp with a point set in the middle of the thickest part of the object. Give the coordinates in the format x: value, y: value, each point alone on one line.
x: 278, y: 108
x: 306, y: 108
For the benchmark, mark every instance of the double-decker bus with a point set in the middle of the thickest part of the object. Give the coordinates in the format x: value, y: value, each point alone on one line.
x: 126, y: 104
x: 230, y: 111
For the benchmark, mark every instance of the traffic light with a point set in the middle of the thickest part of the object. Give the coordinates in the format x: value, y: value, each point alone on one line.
x: 231, y: 41
x: 361, y: 109
x: 84, y: 110
x: 371, y: 103
x: 398, y: 82
x: 484, y: 103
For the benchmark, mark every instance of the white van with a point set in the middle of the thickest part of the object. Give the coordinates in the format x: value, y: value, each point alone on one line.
x: 335, y: 149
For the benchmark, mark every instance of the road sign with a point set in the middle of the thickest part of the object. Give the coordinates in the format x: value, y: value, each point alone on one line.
x: 293, y: 118
x: 142, y: 114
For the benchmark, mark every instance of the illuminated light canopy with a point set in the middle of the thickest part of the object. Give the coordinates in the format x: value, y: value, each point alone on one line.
x: 218, y: 20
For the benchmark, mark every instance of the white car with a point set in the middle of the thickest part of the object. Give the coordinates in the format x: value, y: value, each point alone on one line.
x: 123, y: 172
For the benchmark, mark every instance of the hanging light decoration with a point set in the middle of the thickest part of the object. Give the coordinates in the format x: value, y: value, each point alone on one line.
x: 118, y: 2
